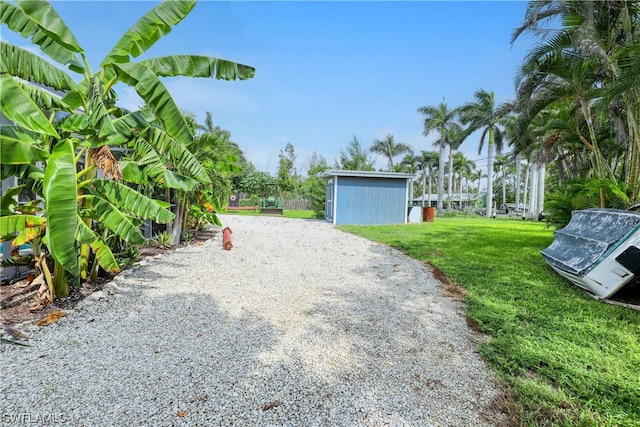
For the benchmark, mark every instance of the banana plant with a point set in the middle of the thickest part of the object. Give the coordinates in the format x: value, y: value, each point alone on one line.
x: 92, y: 124
x: 65, y: 229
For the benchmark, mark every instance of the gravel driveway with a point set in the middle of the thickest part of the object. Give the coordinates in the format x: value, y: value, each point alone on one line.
x: 298, y: 325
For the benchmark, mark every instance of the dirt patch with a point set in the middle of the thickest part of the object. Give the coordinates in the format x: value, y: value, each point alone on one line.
x: 17, y: 299
x: 451, y: 288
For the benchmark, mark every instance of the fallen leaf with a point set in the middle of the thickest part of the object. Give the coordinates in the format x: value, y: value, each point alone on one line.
x: 52, y: 317
x: 181, y: 414
x: 13, y: 332
x: 270, y: 405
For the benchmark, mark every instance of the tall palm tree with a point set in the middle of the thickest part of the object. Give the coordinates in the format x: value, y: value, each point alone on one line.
x: 389, y: 148
x: 501, y: 164
x: 484, y: 115
x: 440, y: 119
x: 477, y: 176
x: 410, y: 163
x: 454, y: 137
x: 429, y: 161
x: 463, y: 167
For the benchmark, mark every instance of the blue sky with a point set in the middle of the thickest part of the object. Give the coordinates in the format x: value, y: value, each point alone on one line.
x: 325, y: 71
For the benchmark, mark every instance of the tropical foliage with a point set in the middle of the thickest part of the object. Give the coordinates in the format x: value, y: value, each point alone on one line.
x: 578, y: 96
x: 355, y: 157
x: 442, y: 120
x: 66, y: 126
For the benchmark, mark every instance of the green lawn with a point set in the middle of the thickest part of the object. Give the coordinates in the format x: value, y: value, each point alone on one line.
x: 565, y: 358
x: 287, y: 213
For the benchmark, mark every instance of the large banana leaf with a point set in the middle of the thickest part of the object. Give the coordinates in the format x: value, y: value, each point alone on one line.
x: 44, y: 99
x: 115, y: 220
x: 199, y: 66
x: 18, y: 107
x: 134, y: 123
x: 155, y: 168
x: 28, y: 66
x: 18, y: 146
x: 132, y: 172
x: 75, y: 123
x: 9, y: 200
x: 100, y: 248
x: 157, y: 98
x: 61, y: 203
x: 20, y: 22
x: 11, y: 224
x: 132, y: 201
x: 28, y: 234
x: 47, y: 18
x: 23, y: 172
x: 147, y: 30
x: 179, y: 155
x: 103, y: 130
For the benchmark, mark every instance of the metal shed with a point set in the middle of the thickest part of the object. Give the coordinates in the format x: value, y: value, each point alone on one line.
x: 366, y: 198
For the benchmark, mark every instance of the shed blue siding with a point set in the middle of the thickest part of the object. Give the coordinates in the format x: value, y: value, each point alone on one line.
x: 370, y: 201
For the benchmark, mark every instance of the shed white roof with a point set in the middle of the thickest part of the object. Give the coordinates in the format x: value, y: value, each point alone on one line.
x: 368, y: 174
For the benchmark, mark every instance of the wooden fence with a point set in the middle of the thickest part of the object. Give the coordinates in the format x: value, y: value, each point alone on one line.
x: 296, y: 204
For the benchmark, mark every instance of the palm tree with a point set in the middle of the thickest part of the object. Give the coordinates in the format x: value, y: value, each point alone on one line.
x: 410, y: 163
x: 455, y: 138
x: 389, y: 148
x: 439, y: 118
x: 588, y: 62
x: 428, y: 162
x: 463, y: 168
x: 501, y: 163
x: 483, y: 115
x: 477, y: 176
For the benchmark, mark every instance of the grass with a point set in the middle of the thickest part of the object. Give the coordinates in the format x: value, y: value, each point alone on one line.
x: 287, y: 213
x: 565, y: 358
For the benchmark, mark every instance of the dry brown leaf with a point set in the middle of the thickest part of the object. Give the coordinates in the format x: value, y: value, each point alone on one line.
x: 44, y: 296
x: 52, y: 317
x: 103, y: 158
x: 271, y: 405
x: 181, y: 414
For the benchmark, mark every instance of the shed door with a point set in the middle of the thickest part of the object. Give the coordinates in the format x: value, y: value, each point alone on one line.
x: 329, y: 205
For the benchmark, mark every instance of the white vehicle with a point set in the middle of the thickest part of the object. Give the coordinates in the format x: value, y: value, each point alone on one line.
x: 599, y: 250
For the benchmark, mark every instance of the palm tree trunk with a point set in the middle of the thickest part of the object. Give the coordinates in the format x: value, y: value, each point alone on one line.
x: 490, y: 157
x: 532, y: 191
x: 633, y: 156
x: 596, y: 150
x: 441, y: 177
x: 424, y: 183
x: 518, y: 182
x: 430, y: 186
x: 504, y: 188
x: 450, y: 188
x: 460, y: 193
x: 540, y: 195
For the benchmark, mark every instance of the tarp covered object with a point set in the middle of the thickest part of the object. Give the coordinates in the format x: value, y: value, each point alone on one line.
x: 596, y: 249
